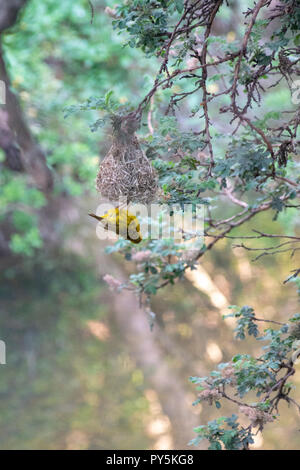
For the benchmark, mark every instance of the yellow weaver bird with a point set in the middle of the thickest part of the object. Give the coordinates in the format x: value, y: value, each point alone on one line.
x: 122, y: 223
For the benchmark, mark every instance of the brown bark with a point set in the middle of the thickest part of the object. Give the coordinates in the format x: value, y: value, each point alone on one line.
x: 9, y: 11
x: 22, y: 152
x: 9, y: 145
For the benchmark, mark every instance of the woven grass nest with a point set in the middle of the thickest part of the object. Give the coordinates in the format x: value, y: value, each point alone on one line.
x: 126, y: 172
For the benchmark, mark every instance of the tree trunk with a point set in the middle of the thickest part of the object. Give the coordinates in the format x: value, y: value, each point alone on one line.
x: 22, y: 152
x: 135, y: 329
